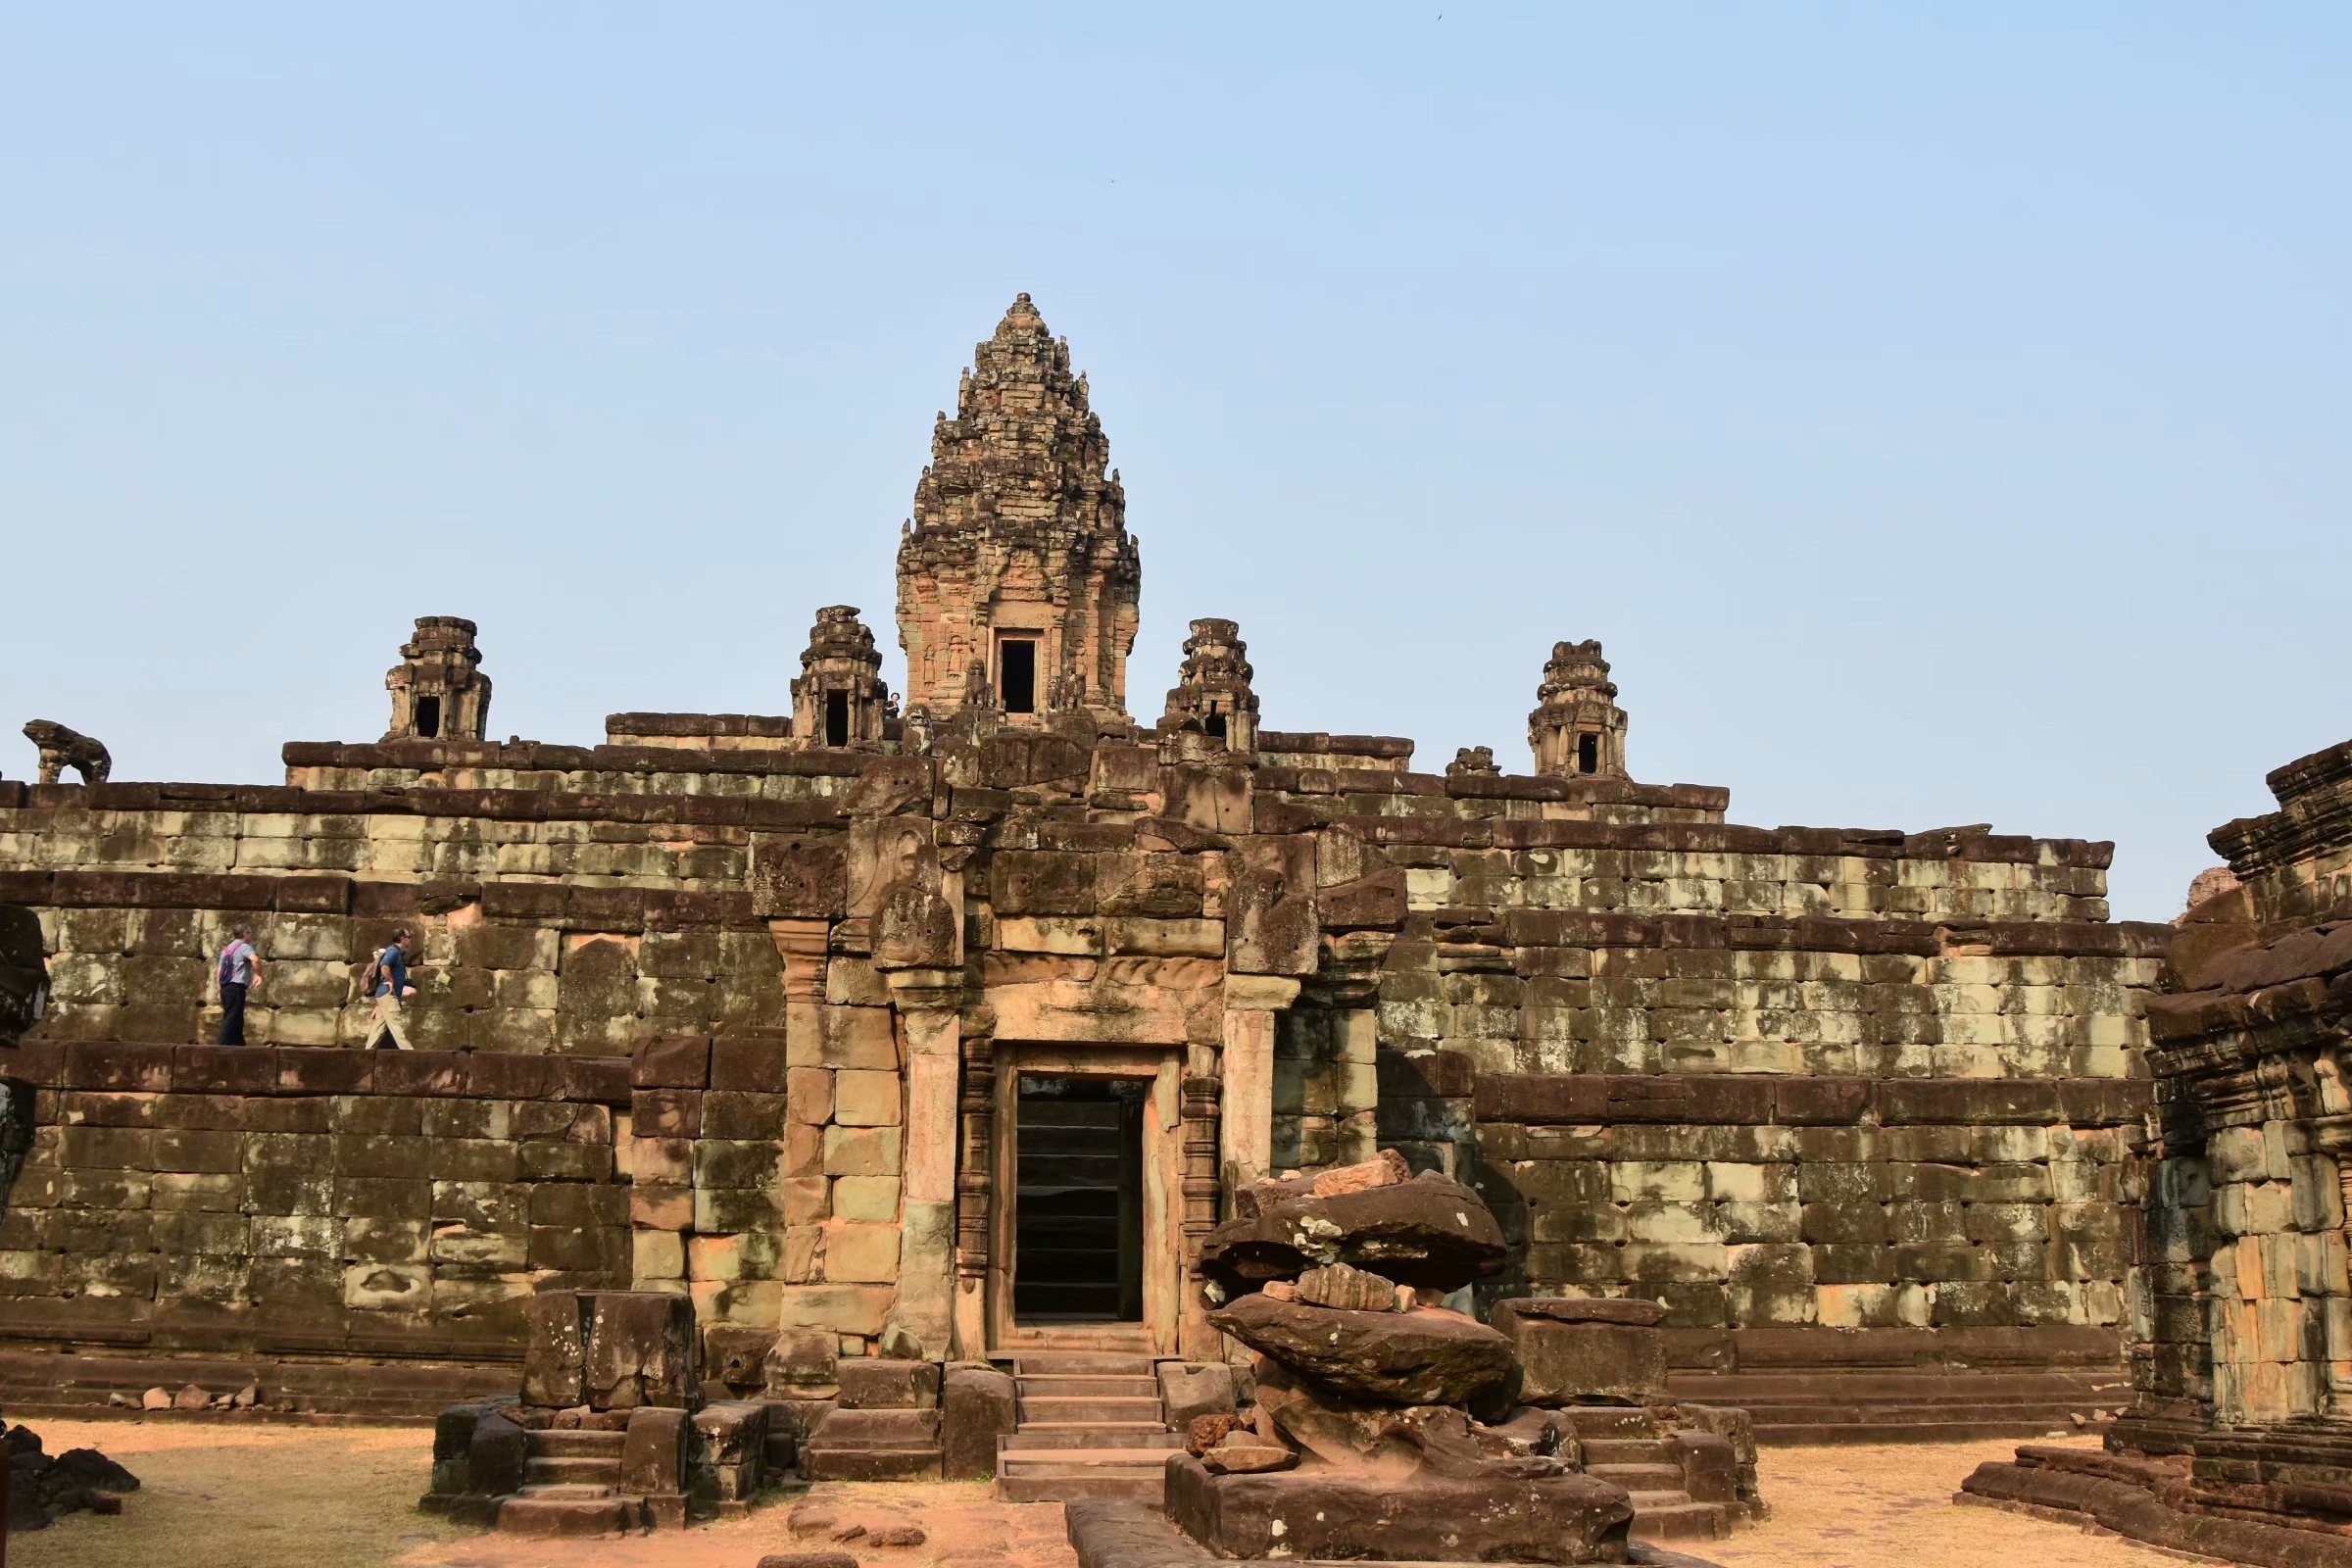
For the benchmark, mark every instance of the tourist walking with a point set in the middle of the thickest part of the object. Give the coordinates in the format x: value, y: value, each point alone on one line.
x: 238, y: 972
x: 387, y: 981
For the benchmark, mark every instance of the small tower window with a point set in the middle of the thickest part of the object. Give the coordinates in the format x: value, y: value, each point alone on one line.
x: 1216, y: 724
x: 1588, y: 753
x: 428, y: 717
x: 837, y: 718
x: 1016, y: 674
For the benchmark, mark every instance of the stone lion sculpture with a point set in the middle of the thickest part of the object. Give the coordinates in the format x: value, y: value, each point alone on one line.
x: 62, y: 747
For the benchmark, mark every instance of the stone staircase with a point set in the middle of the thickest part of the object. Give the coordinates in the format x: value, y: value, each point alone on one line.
x: 1929, y: 1405
x: 571, y: 1486
x: 1624, y: 1447
x: 1089, y: 1426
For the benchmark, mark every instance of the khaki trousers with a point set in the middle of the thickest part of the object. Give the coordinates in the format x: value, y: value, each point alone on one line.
x: 387, y: 1022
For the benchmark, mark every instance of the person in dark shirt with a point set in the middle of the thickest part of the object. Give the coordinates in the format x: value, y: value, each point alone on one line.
x: 391, y: 988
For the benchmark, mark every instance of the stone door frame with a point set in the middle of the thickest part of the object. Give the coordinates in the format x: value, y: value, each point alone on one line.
x: 1163, y: 1196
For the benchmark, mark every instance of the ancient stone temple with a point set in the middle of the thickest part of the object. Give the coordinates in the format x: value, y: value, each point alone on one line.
x: 952, y: 1034
x: 2238, y: 1438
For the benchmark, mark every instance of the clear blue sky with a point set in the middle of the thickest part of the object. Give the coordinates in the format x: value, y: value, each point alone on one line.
x: 1941, y: 412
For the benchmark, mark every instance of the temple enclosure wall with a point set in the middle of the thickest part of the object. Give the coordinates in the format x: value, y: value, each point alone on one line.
x: 1806, y: 1084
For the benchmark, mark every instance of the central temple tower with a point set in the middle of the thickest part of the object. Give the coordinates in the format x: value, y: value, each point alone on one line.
x: 1018, y: 579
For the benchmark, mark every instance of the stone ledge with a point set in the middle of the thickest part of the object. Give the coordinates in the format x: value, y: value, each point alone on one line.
x: 569, y: 906
x: 114, y: 1066
x: 511, y: 804
x: 1753, y: 1099
x: 1927, y: 937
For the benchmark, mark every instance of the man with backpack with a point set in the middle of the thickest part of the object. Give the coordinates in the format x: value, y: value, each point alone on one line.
x: 387, y: 980
x: 239, y: 970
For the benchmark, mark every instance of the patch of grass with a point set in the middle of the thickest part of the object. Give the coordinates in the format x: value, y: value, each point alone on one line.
x: 245, y: 1496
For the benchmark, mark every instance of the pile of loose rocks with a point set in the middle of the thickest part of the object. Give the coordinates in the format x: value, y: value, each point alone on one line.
x: 42, y: 1486
x: 1384, y: 1424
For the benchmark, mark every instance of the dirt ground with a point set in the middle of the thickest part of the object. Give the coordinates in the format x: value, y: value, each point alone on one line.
x: 275, y: 1497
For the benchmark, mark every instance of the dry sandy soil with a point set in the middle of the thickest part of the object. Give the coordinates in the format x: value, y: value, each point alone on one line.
x: 274, y: 1497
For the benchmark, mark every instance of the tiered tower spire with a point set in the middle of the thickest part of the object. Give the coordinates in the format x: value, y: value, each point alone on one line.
x: 1018, y: 579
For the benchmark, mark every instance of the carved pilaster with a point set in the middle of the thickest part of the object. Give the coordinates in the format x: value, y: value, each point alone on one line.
x: 1198, y: 1108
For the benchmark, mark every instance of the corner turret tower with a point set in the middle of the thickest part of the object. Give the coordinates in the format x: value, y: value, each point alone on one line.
x: 1578, y: 731
x: 1017, y: 581
x: 439, y: 692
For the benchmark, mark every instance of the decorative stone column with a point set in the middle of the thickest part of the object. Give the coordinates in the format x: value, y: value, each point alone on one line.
x: 1246, y: 1133
x: 929, y: 1004
x: 1196, y: 1341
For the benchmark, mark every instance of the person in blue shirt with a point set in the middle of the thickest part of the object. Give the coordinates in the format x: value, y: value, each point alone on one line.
x: 239, y: 970
x: 391, y: 988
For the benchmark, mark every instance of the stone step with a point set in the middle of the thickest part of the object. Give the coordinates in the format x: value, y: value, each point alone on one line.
x: 1084, y: 1361
x: 1590, y: 1421
x: 1046, y: 1299
x: 1063, y: 1408
x: 1082, y: 1485
x: 1895, y: 1415
x: 588, y: 1469
x: 1629, y: 1451
x: 1639, y: 1476
x: 556, y: 1512
x: 553, y: 1443
x: 1113, y: 1457
x: 1073, y: 1385
x: 870, y: 1464
x: 1682, y: 1521
x: 1801, y: 1434
x: 1093, y: 1435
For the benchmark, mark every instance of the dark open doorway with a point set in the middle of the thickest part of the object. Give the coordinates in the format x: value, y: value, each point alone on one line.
x: 428, y: 717
x: 837, y: 718
x: 1078, y: 1231
x: 1016, y: 674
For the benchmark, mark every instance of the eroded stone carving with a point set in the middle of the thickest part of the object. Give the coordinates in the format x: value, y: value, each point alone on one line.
x: 62, y: 747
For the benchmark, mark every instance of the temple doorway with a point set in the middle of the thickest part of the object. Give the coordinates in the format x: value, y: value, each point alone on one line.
x: 1086, y: 1229
x: 1078, y: 1225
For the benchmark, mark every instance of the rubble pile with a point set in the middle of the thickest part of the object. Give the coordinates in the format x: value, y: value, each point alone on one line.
x: 43, y: 1485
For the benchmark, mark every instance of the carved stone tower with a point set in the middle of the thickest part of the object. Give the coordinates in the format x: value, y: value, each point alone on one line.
x: 839, y: 698
x: 1018, y: 579
x: 1576, y: 730
x: 1212, y: 689
x: 439, y: 692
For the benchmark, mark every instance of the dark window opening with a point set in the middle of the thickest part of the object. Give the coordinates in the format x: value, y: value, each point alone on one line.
x: 428, y: 717
x: 1588, y: 753
x: 837, y: 718
x: 1217, y: 725
x: 1016, y: 674
x: 1078, y: 1209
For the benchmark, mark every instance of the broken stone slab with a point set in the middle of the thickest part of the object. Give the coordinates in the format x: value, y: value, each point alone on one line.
x: 1354, y: 1290
x: 800, y: 1364
x: 641, y: 1351
x: 1357, y: 1438
x: 977, y: 1408
x: 1188, y: 1390
x: 1245, y: 1453
x: 873, y: 1383
x: 1431, y: 1231
x: 1327, y: 1515
x: 1384, y: 1169
x: 653, y: 1453
x: 1574, y: 1351
x: 156, y: 1400
x: 1204, y: 1432
x: 1424, y: 1357
x: 190, y: 1398
x: 555, y: 1352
